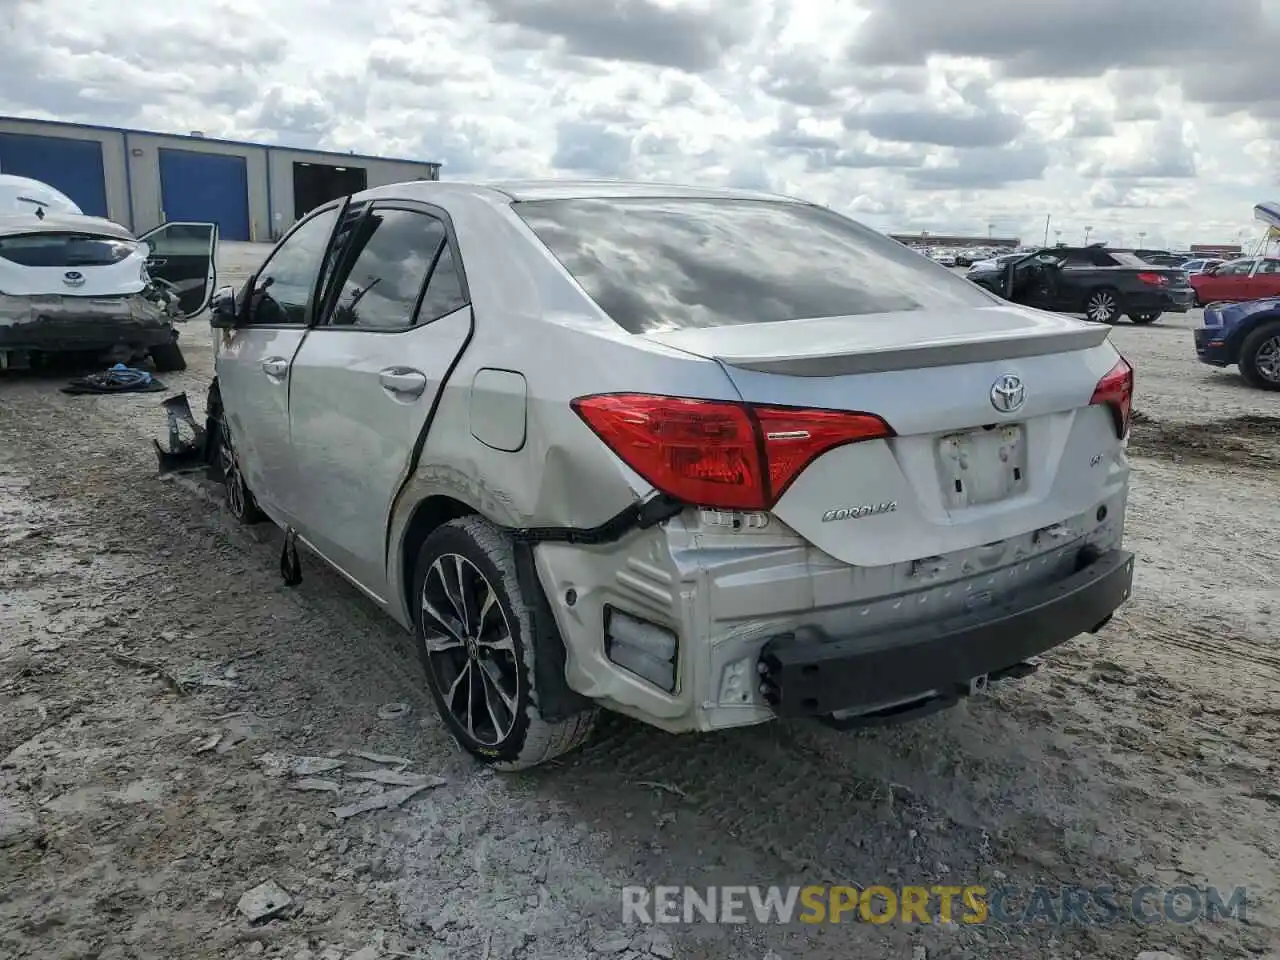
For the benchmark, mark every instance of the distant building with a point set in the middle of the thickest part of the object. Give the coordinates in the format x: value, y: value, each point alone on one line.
x: 942, y: 240
x: 1224, y: 250
x: 253, y: 191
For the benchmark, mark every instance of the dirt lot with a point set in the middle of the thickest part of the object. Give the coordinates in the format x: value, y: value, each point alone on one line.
x: 158, y: 683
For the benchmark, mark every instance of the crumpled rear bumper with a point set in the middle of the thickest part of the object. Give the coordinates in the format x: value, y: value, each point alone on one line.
x: 817, y: 674
x: 28, y: 324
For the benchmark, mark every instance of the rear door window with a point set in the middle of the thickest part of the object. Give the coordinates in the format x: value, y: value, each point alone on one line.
x: 670, y: 264
x: 397, y: 249
x: 65, y: 250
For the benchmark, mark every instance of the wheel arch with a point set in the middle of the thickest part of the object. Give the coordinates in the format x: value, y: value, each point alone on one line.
x: 1243, y: 353
x: 556, y: 701
x: 427, y: 515
x: 1245, y: 327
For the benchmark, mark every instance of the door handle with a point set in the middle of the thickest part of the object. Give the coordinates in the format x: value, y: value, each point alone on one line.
x: 403, y: 381
x: 275, y: 366
x: 157, y: 261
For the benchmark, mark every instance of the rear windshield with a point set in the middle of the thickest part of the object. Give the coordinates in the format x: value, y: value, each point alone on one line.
x: 64, y: 250
x: 671, y: 264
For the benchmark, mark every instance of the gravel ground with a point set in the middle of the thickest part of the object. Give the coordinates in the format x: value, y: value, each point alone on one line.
x: 159, y: 684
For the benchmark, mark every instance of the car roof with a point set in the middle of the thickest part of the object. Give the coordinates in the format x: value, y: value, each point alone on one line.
x: 19, y: 195
x: 510, y: 191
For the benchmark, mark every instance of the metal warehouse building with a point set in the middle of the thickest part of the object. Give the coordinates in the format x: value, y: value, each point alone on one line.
x: 253, y: 191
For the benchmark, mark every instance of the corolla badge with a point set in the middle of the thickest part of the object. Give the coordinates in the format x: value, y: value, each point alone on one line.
x: 1008, y: 393
x: 73, y: 278
x: 860, y: 511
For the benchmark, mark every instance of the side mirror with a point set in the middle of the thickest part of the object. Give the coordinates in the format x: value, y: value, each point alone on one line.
x: 222, y: 310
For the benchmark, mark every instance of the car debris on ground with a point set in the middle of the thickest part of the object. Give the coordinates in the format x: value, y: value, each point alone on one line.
x: 264, y: 902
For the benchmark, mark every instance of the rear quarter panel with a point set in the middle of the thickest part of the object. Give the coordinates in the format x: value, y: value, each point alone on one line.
x: 532, y: 319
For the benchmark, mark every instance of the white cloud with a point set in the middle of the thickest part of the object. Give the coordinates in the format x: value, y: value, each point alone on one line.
x: 906, y: 114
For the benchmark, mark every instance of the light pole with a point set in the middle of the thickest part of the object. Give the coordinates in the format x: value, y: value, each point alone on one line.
x: 991, y: 230
x: 1087, y: 231
x: 1047, y: 218
x: 1141, y: 234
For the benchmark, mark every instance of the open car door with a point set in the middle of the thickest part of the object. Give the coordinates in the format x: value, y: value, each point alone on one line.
x: 182, y: 255
x: 1027, y: 280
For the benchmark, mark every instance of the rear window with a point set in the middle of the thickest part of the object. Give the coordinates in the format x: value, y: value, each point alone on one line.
x: 671, y: 264
x: 65, y: 250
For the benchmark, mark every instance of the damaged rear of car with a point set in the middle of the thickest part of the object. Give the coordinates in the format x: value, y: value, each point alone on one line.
x: 85, y: 287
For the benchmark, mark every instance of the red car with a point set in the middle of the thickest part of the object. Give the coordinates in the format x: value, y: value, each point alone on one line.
x: 1251, y: 278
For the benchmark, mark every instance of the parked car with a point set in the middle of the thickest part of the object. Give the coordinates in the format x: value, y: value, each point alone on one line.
x: 81, y: 285
x: 992, y: 263
x: 1201, y: 265
x: 1162, y: 258
x: 1249, y: 278
x: 1102, y: 284
x: 1246, y: 335
x: 593, y: 461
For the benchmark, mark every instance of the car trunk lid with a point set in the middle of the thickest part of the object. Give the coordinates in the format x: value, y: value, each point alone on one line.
x: 995, y: 431
x: 70, y: 263
x: 873, y: 343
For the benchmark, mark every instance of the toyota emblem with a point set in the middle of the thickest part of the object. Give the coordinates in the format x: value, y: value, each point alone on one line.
x: 1007, y: 393
x: 73, y: 278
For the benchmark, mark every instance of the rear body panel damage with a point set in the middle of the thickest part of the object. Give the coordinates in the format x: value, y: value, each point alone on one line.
x: 730, y: 585
x: 57, y: 323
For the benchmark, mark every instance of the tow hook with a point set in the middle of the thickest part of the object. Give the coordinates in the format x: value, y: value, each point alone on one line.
x: 290, y: 565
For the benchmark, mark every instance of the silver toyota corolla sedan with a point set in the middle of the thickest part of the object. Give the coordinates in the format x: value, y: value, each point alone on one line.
x: 703, y: 457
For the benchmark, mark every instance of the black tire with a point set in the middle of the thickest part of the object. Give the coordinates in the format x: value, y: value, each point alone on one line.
x: 472, y: 559
x: 1142, y: 319
x: 168, y: 358
x: 1260, y: 357
x: 238, y: 497
x: 1102, y: 305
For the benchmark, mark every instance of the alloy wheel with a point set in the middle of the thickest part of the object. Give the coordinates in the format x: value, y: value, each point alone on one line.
x: 470, y: 649
x: 234, y: 482
x: 1101, y: 307
x: 1267, y: 360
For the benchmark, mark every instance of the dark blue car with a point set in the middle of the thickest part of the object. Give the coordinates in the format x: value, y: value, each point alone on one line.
x: 1245, y: 334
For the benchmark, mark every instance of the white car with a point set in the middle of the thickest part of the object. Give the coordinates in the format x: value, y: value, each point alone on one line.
x: 993, y: 263
x: 85, y: 286
x: 593, y: 458
x: 1200, y: 265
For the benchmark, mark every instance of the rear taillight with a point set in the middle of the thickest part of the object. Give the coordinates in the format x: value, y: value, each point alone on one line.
x: 714, y: 453
x: 1155, y: 279
x: 1115, y: 390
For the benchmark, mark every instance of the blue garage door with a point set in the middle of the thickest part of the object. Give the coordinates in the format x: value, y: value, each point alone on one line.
x: 206, y: 186
x: 72, y: 166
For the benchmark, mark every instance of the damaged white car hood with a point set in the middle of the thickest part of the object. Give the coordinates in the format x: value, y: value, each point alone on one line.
x: 21, y: 276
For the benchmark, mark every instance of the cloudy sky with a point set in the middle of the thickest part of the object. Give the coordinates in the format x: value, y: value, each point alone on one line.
x: 1159, y: 116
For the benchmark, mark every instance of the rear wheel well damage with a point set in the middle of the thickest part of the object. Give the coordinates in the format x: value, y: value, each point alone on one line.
x: 556, y: 700
x: 431, y: 513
